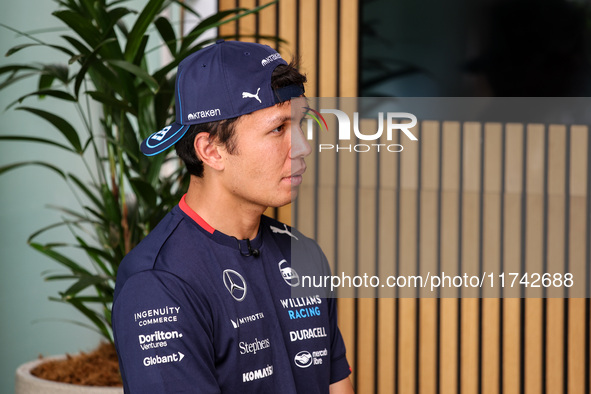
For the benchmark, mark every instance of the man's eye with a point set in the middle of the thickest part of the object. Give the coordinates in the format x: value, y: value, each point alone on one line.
x: 277, y: 129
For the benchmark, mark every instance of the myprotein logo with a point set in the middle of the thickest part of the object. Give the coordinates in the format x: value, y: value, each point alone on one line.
x: 390, y: 123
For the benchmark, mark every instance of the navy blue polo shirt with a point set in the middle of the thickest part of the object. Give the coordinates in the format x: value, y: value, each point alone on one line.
x: 195, y: 311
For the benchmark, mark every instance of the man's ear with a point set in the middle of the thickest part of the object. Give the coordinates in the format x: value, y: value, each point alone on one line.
x: 208, y: 150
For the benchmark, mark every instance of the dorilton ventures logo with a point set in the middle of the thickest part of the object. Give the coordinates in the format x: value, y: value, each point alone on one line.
x: 395, y: 122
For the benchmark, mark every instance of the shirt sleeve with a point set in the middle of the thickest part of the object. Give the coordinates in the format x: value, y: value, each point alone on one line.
x: 339, y: 366
x: 164, y: 336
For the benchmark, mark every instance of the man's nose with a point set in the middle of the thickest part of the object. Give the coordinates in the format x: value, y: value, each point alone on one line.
x: 300, y: 147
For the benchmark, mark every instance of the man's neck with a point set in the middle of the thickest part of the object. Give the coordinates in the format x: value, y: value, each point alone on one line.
x: 223, y: 212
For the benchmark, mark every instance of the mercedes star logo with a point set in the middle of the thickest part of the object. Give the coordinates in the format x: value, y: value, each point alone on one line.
x: 235, y: 284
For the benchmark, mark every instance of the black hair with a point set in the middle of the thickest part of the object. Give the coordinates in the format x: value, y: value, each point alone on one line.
x: 223, y: 130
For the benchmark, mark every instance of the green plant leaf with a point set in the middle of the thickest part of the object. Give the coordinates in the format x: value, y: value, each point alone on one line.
x: 61, y: 124
x: 207, y: 23
x: 80, y: 47
x: 138, y: 30
x: 92, y: 316
x: 80, y: 25
x: 13, y: 166
x: 183, y: 5
x: 60, y: 258
x: 59, y: 71
x: 111, y: 205
x: 61, y: 277
x: 115, y: 14
x: 86, y: 190
x: 137, y: 71
x: 144, y: 190
x: 111, y: 101
x: 35, y: 139
x: 90, y: 60
x: 17, y: 78
x: 17, y: 48
x: 140, y: 54
x: 83, y: 283
x: 217, y: 20
x: 104, y: 300
x: 95, y: 254
x: 59, y: 94
x: 167, y: 33
x: 18, y: 67
x: 44, y: 229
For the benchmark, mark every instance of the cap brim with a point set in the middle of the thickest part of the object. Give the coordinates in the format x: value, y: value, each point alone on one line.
x: 163, y: 139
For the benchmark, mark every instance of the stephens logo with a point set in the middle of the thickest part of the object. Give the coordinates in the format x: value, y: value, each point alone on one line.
x: 254, y: 346
x: 235, y: 284
x: 290, y: 276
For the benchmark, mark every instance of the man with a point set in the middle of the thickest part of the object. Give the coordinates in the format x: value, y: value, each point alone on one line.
x: 203, y: 304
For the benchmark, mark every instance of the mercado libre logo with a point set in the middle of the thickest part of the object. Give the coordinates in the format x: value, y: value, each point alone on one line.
x: 389, y: 124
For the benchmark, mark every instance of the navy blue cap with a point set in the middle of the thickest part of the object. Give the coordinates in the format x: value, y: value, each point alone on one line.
x: 222, y: 81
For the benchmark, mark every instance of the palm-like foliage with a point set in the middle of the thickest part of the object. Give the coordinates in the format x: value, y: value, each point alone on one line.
x: 105, y: 65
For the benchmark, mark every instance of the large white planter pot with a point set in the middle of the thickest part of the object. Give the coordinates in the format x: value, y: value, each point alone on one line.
x: 29, y: 384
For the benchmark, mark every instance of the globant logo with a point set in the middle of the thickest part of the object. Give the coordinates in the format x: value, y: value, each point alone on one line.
x: 149, y: 361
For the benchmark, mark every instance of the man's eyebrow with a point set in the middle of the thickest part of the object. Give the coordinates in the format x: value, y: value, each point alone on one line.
x: 279, y: 119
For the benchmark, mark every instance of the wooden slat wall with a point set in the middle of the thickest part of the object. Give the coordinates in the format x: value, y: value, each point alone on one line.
x: 502, y: 195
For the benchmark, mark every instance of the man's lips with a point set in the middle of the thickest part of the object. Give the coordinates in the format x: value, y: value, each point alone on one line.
x: 296, y: 176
